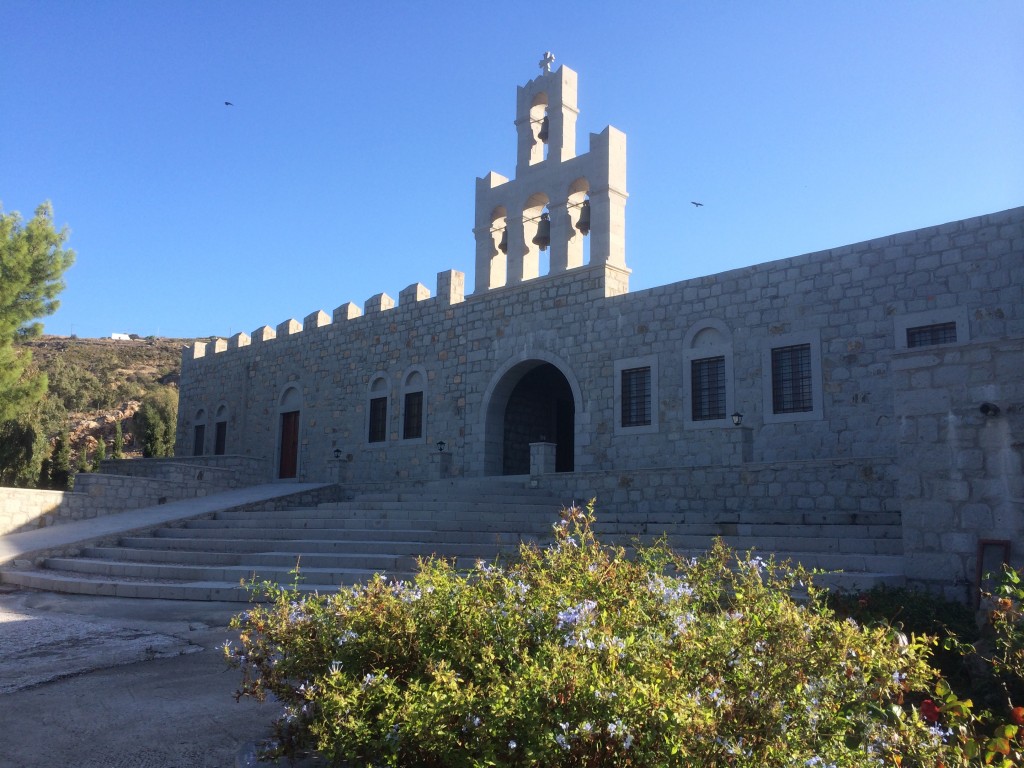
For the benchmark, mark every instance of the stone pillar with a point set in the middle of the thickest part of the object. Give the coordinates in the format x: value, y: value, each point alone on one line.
x: 517, y: 249
x: 741, y: 446
x: 561, y: 232
x: 542, y: 458
x: 444, y: 465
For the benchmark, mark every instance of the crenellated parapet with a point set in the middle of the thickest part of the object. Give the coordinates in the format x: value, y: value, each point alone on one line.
x: 450, y: 290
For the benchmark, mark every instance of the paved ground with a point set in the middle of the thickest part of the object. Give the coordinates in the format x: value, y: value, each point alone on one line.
x: 97, y: 682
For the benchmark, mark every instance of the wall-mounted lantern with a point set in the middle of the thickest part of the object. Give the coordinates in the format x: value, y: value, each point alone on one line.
x: 737, y: 419
x: 337, y: 454
x: 441, y: 444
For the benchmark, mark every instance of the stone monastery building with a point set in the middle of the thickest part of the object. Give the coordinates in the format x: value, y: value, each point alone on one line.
x: 884, y: 376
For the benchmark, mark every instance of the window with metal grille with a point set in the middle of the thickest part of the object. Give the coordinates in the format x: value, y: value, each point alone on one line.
x: 199, y: 440
x: 636, y: 397
x: 791, y: 379
x: 707, y: 378
x: 378, y: 419
x: 220, y: 438
x: 926, y: 335
x: 412, y: 417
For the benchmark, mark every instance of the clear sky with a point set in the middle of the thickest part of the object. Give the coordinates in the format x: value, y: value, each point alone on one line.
x: 346, y: 166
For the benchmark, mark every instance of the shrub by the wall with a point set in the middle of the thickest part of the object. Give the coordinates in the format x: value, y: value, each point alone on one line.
x: 579, y: 655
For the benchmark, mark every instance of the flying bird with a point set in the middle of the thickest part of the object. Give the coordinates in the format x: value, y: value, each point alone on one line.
x: 696, y: 204
x: 228, y: 104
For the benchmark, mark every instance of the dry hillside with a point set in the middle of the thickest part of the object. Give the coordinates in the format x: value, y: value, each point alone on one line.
x: 102, y: 381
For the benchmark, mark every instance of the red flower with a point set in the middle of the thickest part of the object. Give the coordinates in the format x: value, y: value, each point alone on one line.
x: 929, y: 711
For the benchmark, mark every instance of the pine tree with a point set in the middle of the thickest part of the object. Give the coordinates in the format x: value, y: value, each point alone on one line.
x: 60, y: 474
x: 118, y: 441
x: 101, y: 454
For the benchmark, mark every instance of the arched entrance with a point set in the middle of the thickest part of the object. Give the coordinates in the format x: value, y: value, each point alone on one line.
x: 288, y: 436
x: 533, y: 402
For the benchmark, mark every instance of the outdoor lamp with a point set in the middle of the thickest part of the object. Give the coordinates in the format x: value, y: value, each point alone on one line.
x: 737, y: 419
x: 440, y: 446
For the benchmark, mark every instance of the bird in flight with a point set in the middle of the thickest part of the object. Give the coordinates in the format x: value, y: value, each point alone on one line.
x: 696, y: 204
x: 228, y: 104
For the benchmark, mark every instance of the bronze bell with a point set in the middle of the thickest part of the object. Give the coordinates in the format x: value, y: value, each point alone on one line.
x: 543, y: 134
x: 503, y: 242
x: 583, y: 225
x: 543, y: 237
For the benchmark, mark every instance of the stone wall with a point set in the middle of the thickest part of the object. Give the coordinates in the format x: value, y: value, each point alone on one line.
x: 215, y: 473
x: 123, y: 485
x: 848, y: 303
x: 22, y: 509
x: 961, y: 412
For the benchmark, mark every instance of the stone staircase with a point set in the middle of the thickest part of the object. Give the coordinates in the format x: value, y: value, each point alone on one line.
x: 345, y: 542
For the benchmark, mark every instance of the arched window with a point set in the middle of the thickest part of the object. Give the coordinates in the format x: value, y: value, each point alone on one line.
x: 539, y: 125
x: 708, y: 375
x: 220, y: 427
x: 414, y: 415
x: 199, y: 433
x: 377, y: 409
x: 578, y: 206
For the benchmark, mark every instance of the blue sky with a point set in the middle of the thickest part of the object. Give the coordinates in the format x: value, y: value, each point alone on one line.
x: 347, y: 165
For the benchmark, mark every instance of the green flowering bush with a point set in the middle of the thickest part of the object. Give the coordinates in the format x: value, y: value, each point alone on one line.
x: 578, y: 654
x: 989, y: 735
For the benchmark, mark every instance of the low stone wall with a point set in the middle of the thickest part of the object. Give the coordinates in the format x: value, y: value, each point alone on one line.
x: 22, y: 510
x: 792, y: 490
x: 221, y: 472
x: 94, y: 495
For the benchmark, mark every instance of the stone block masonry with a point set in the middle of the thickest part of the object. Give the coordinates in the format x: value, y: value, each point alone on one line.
x: 850, y: 308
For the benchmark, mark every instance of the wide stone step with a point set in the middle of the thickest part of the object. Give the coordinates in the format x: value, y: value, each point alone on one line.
x: 281, y: 559
x: 303, y: 546
x: 82, y: 584
x: 377, y: 524
x: 346, y: 535
x: 235, y: 574
x: 786, y: 543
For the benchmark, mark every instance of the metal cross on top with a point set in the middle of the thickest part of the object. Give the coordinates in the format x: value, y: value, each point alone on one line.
x: 546, y: 62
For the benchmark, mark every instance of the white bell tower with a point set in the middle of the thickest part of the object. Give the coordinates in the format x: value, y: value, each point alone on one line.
x: 557, y: 197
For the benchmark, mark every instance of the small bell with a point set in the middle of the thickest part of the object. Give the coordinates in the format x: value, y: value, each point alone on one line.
x: 543, y: 237
x: 583, y: 225
x: 543, y: 134
x: 503, y: 242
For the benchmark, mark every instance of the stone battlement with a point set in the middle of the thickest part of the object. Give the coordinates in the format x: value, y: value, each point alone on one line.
x: 450, y: 290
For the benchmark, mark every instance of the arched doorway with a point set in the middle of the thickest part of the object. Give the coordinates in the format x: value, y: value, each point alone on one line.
x: 533, y: 402
x: 288, y: 436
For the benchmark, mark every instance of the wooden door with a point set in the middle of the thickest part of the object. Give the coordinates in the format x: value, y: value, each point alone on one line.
x: 289, y: 444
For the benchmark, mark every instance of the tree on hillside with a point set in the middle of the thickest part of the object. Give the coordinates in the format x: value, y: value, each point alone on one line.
x: 118, y: 441
x: 157, y: 419
x: 100, y: 455
x: 60, y: 468
x: 32, y: 262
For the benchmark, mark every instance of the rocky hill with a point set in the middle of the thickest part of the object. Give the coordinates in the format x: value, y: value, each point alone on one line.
x: 100, y: 382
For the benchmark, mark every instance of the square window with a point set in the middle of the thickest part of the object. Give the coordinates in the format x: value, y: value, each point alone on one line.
x: 378, y: 419
x: 412, y: 417
x: 636, y: 397
x: 791, y: 379
x: 707, y: 378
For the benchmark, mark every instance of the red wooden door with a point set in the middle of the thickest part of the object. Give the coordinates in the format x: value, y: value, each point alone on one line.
x: 289, y: 444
